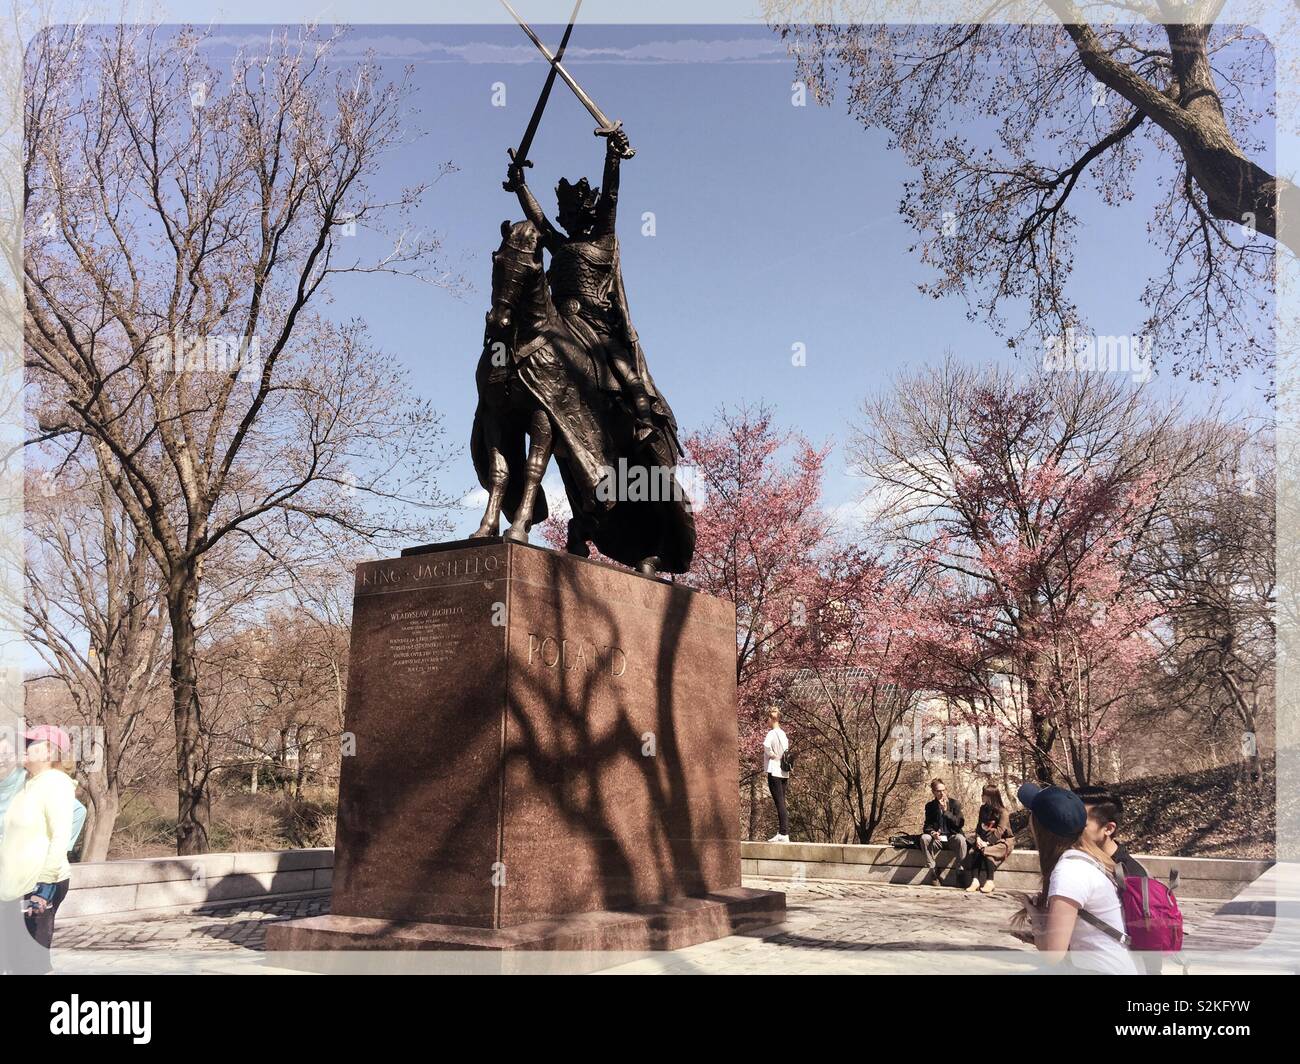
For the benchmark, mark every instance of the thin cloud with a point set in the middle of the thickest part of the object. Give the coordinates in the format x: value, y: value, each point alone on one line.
x: 415, y: 48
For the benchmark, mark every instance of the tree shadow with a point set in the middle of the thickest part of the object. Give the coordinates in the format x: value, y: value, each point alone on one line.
x: 556, y: 783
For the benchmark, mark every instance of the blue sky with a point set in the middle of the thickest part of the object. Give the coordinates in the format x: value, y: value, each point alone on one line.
x: 775, y: 225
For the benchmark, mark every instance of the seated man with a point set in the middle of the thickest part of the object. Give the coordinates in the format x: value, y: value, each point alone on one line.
x: 943, y: 828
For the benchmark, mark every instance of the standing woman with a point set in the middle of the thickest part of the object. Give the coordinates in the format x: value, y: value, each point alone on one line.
x: 775, y: 745
x: 1083, y: 922
x: 992, y: 842
x: 38, y: 827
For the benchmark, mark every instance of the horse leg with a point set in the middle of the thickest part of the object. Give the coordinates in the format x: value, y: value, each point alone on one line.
x: 539, y: 455
x: 576, y: 543
x: 498, y: 476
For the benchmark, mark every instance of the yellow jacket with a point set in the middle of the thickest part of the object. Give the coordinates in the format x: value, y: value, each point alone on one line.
x: 36, y: 832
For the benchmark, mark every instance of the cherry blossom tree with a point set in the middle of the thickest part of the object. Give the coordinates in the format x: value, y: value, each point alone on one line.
x: 1027, y: 502
x: 859, y: 669
x: 760, y: 536
x: 760, y: 530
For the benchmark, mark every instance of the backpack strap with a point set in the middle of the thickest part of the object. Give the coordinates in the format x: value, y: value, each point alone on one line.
x: 1118, y: 883
x: 1119, y: 936
x: 1095, y: 921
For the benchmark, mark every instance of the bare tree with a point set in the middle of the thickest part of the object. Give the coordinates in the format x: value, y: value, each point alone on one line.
x: 182, y: 222
x: 96, y: 615
x: 281, y: 679
x: 1008, y: 125
x: 1213, y: 565
x: 324, y: 606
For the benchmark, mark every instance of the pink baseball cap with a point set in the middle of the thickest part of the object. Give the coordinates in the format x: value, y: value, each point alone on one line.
x: 52, y: 734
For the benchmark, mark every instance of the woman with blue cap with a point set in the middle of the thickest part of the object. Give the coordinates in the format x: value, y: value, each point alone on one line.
x: 1084, y: 923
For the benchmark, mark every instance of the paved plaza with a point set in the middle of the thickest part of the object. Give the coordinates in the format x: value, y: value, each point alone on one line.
x: 829, y: 927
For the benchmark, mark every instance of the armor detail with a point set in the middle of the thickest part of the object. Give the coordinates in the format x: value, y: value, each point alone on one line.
x: 582, y: 280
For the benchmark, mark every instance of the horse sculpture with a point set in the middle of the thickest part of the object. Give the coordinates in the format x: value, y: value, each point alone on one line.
x: 538, y: 381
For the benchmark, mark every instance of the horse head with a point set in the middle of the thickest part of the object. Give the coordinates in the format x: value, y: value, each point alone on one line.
x: 518, y: 279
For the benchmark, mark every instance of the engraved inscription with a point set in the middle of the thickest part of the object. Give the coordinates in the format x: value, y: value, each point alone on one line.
x: 575, y: 655
x: 423, y: 574
x: 423, y: 641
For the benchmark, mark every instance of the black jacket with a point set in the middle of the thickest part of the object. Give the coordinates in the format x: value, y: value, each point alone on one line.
x: 1127, y: 863
x: 949, y: 822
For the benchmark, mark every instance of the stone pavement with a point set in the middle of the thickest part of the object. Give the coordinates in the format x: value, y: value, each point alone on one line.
x: 861, y: 928
x: 223, y: 928
x: 830, y: 927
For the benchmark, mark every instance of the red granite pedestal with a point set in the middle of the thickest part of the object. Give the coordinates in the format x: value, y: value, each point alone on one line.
x: 541, y: 754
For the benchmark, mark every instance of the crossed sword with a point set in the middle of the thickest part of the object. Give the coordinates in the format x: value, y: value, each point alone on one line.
x: 604, y: 126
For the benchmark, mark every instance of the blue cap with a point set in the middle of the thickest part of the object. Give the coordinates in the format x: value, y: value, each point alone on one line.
x: 1060, y: 811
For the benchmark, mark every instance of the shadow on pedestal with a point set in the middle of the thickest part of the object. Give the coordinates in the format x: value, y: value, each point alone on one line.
x: 545, y: 759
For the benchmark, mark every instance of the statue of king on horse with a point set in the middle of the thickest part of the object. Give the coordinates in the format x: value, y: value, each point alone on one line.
x: 563, y: 365
x: 587, y: 282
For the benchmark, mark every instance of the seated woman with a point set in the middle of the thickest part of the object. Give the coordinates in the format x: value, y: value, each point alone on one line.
x: 992, y: 842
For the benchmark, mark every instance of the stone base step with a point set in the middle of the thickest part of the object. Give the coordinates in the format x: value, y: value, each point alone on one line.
x: 309, y: 943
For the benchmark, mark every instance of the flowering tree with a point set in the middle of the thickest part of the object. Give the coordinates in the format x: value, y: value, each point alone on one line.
x: 760, y: 536
x: 1026, y: 501
x: 859, y: 666
x: 759, y: 532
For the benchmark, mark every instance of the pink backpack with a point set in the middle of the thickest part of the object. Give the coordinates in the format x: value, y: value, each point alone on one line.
x: 1151, y: 915
x: 1152, y: 920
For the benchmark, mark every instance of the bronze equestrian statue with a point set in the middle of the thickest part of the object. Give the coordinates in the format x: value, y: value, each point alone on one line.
x: 563, y: 365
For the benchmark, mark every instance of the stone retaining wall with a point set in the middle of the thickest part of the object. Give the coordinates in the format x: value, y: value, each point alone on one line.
x: 1199, y: 877
x: 110, y: 888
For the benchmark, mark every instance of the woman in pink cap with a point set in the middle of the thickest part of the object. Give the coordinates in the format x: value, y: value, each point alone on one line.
x: 38, y: 824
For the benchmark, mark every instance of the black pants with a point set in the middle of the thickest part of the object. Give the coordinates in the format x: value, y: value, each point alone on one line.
x: 41, y: 925
x: 25, y: 938
x: 776, y: 786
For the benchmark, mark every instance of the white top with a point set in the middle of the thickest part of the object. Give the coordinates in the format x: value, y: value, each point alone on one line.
x: 1078, y: 878
x: 774, y: 745
x: 37, y: 828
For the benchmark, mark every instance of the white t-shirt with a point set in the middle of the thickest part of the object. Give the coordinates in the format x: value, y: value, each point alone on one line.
x: 774, y: 745
x: 1078, y: 878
